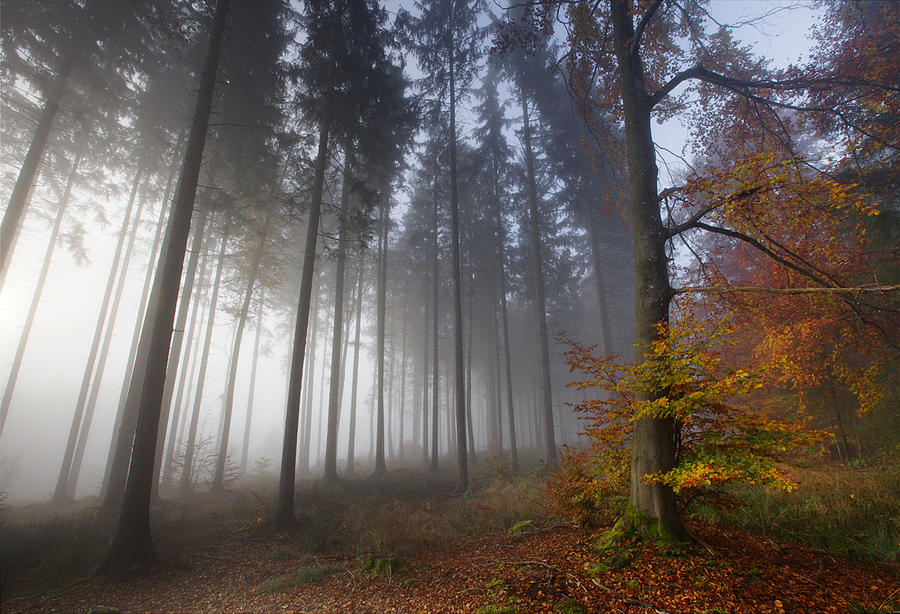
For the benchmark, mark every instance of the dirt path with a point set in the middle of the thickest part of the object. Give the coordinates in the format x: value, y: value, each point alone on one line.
x: 533, y: 572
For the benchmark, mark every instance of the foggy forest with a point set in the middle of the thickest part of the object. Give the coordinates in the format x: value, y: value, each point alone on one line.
x: 450, y: 306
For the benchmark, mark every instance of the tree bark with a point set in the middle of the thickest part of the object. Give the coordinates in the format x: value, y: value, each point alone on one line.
x: 132, y: 545
x: 380, y: 322
x: 434, y: 330
x: 334, y: 388
x: 284, y: 512
x: 462, y: 466
x: 91, y: 405
x: 18, y: 200
x: 550, y: 457
x: 190, y: 446
x: 355, y: 378
x: 123, y: 429
x: 63, y: 487
x: 306, y: 429
x: 651, y: 511
x: 219, y: 476
x: 245, y: 445
x: 602, y: 307
x: 504, y: 319
x: 38, y: 290
x: 178, y: 340
x: 176, y: 434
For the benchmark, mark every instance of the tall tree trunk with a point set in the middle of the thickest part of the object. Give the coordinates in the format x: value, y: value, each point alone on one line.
x: 602, y: 308
x: 175, y: 346
x: 38, y: 289
x: 434, y: 326
x: 651, y: 510
x: 334, y: 388
x: 87, y: 419
x: 355, y: 378
x: 176, y: 434
x: 462, y: 466
x: 190, y: 447
x: 389, y: 409
x: 380, y: 321
x: 12, y: 218
x: 126, y: 416
x: 284, y: 511
x: 132, y: 545
x: 538, y: 277
x: 219, y: 476
x: 497, y: 399
x: 61, y: 493
x: 245, y: 444
x: 306, y: 430
x: 425, y: 378
x: 403, y: 378
x: 471, y: 436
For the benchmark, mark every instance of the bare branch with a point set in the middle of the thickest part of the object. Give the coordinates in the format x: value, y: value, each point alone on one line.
x: 768, y: 290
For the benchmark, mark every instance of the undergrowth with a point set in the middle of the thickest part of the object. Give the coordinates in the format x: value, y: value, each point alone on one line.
x: 849, y: 512
x: 304, y: 575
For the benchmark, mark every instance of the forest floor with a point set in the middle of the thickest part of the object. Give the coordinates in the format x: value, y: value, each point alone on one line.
x: 414, y: 548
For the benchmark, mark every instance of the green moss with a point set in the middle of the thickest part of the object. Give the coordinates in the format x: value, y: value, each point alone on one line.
x: 569, y: 606
x: 494, y: 608
x: 305, y: 575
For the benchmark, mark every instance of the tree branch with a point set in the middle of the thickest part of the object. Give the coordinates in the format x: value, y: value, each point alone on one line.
x: 642, y: 25
x: 768, y: 290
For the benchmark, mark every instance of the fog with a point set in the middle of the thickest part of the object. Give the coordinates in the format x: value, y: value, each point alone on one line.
x: 127, y: 109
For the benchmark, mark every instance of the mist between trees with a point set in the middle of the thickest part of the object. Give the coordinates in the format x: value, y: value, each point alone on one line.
x: 326, y: 239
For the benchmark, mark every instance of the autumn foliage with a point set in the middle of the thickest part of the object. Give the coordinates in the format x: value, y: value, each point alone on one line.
x: 720, y: 437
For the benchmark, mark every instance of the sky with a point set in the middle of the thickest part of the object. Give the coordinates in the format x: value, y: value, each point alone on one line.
x: 34, y: 437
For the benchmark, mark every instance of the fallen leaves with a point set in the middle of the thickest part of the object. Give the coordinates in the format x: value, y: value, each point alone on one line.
x: 731, y: 572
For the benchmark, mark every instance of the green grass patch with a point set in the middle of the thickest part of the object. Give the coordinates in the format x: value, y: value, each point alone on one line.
x: 304, y: 575
x: 850, y: 512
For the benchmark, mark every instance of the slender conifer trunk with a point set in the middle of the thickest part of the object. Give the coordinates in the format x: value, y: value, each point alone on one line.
x: 191, y: 445
x: 132, y: 545
x: 61, y: 493
x: 248, y: 422
x: 540, y: 306
x: 284, y: 511
x: 38, y: 290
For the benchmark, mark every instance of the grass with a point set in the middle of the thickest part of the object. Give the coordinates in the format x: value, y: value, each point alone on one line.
x: 850, y: 512
x: 304, y: 575
x: 43, y: 547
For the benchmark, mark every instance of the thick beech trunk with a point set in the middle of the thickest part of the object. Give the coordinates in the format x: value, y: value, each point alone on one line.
x: 538, y: 280
x: 651, y: 511
x: 38, y: 291
x: 132, y: 545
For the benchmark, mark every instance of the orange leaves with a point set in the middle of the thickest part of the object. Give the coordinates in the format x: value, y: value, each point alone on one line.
x: 717, y: 441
